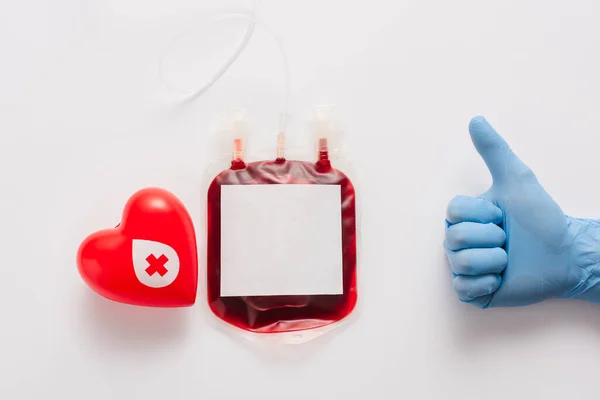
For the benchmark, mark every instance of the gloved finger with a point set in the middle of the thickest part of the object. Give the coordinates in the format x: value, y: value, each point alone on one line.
x: 472, y: 209
x: 482, y: 301
x: 469, y: 288
x: 503, y: 164
x: 478, y: 261
x: 465, y: 235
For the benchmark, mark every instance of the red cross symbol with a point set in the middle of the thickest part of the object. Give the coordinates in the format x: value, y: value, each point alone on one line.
x: 157, y: 265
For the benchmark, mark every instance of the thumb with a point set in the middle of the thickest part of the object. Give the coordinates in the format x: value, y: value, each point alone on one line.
x: 503, y: 164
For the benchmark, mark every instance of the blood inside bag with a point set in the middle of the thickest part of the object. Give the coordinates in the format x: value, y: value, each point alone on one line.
x: 282, y: 313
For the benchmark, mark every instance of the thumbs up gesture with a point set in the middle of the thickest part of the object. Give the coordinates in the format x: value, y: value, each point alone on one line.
x: 513, y: 245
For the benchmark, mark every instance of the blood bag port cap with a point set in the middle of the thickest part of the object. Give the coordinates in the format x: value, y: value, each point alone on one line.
x: 233, y: 129
x: 325, y: 129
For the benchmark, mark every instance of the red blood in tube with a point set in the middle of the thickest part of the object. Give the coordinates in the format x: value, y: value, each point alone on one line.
x: 274, y: 314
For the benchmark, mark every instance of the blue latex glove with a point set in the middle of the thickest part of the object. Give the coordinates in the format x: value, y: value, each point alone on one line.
x: 513, y: 245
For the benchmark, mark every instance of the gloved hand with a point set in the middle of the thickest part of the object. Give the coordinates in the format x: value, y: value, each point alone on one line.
x: 513, y: 245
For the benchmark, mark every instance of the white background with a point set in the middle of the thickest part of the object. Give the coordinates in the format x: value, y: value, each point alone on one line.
x: 85, y: 122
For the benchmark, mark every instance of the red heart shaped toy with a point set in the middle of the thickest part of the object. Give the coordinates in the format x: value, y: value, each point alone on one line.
x: 149, y: 259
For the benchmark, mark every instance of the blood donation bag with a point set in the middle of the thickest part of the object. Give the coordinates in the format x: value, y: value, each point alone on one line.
x: 281, y: 243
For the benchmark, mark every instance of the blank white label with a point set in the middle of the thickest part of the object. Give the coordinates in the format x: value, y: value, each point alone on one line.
x: 281, y: 240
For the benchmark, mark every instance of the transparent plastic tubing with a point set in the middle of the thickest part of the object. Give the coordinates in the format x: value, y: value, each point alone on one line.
x: 194, y: 93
